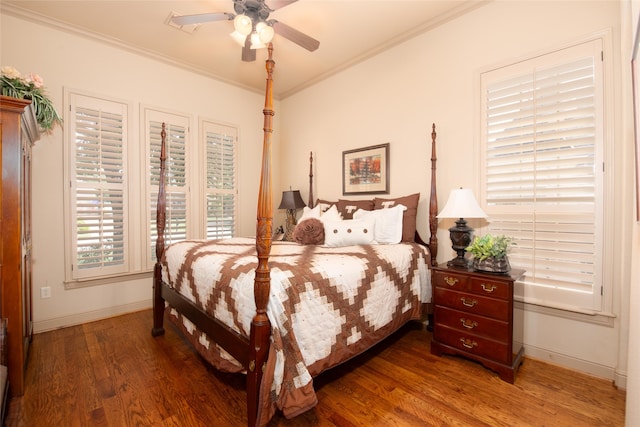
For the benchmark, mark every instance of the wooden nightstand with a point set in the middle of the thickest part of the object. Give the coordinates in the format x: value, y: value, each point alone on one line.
x: 473, y: 317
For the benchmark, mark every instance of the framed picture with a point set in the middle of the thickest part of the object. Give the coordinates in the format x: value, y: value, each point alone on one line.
x: 366, y: 170
x: 635, y: 75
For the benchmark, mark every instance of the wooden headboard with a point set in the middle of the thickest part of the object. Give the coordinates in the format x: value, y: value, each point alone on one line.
x: 433, y: 201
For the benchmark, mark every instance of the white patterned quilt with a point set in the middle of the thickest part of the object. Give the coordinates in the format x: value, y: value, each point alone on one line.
x: 326, y: 305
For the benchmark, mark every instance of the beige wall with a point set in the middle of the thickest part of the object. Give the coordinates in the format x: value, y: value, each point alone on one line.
x: 392, y: 97
x: 630, y: 21
x: 65, y: 60
x: 395, y: 96
x: 633, y: 371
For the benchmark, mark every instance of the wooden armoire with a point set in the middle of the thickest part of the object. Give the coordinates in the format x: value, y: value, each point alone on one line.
x: 18, y: 131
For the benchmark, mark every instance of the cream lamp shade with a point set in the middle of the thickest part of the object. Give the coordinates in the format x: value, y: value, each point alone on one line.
x: 461, y: 204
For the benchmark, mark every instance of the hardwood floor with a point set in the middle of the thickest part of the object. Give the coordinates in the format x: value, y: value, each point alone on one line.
x: 113, y: 373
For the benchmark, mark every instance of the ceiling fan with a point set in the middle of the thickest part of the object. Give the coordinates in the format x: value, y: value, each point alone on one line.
x: 253, y: 28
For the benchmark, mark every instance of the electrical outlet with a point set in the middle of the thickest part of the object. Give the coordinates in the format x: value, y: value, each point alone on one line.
x: 45, y: 292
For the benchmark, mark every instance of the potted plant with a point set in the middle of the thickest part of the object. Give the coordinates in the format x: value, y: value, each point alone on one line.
x: 15, y: 85
x: 490, y: 253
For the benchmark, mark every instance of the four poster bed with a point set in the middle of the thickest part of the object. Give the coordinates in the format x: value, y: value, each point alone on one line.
x: 284, y: 312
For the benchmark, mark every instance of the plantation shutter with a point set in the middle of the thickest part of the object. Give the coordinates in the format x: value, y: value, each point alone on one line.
x: 221, y: 179
x: 176, y: 188
x: 543, y: 160
x: 98, y: 187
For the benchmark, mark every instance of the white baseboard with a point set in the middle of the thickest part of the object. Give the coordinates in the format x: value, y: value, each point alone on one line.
x: 89, y: 316
x: 620, y: 380
x: 586, y: 367
x: 590, y: 368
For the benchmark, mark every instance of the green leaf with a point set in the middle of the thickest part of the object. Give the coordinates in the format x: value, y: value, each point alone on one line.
x: 489, y: 246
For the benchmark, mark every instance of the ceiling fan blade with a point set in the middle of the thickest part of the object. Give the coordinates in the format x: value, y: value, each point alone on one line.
x: 295, y: 36
x: 201, y: 18
x: 248, y: 54
x: 277, y: 4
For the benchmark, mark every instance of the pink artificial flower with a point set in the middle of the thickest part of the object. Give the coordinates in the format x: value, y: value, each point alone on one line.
x: 36, y: 80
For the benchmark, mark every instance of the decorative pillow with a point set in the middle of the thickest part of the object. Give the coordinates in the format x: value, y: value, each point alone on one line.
x: 307, y: 213
x: 331, y: 214
x: 409, y: 217
x: 348, y: 207
x: 309, y: 232
x: 324, y: 205
x: 348, y: 232
x: 388, y: 223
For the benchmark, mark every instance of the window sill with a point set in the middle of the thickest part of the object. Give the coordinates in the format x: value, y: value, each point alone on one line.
x: 587, y: 316
x: 85, y: 283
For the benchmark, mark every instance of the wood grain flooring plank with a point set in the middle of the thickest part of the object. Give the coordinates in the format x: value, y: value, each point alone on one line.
x: 113, y: 373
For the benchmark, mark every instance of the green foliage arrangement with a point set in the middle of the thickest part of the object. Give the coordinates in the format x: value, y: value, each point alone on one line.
x: 489, y: 246
x: 13, y: 84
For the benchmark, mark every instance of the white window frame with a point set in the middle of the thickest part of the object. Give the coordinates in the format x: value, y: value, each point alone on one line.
x: 77, y: 100
x: 600, y: 300
x: 210, y: 130
x: 139, y: 195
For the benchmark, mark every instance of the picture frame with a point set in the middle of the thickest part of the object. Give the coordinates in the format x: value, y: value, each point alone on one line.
x: 366, y: 170
x: 635, y: 82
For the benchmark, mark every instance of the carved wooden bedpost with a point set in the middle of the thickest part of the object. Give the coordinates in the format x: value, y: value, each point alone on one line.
x: 260, y: 326
x: 433, y: 202
x: 311, y: 201
x: 158, y: 301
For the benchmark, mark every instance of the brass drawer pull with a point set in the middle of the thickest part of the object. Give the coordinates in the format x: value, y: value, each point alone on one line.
x: 468, y: 303
x: 469, y: 324
x: 466, y: 342
x: 488, y: 288
x: 451, y: 281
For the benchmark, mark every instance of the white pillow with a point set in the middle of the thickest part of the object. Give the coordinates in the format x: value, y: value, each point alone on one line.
x: 331, y: 214
x: 348, y: 232
x: 324, y: 206
x: 388, y: 223
x: 307, y: 213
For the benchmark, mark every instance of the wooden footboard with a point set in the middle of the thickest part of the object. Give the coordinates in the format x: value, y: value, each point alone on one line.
x: 251, y: 352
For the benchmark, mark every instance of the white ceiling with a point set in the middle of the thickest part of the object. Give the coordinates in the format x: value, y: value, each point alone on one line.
x: 348, y: 30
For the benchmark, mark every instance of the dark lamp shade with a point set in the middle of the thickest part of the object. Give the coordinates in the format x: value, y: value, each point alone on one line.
x: 291, y: 200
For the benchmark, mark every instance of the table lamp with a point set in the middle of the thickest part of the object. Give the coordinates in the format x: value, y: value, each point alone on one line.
x: 291, y: 201
x: 461, y: 204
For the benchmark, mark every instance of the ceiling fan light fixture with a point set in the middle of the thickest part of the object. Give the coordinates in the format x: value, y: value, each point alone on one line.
x: 252, y: 27
x: 265, y: 32
x: 239, y: 38
x: 256, y: 42
x: 243, y: 24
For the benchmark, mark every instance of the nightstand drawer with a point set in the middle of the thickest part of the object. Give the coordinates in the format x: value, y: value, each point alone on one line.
x: 490, y: 288
x: 448, y: 280
x: 479, y: 325
x: 473, y: 344
x: 471, y: 303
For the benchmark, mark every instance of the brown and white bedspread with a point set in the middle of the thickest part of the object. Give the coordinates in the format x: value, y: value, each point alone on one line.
x: 326, y: 305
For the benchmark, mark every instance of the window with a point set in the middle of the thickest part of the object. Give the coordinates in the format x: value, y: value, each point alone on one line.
x: 221, y: 180
x: 542, y: 181
x: 97, y: 190
x: 113, y: 186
